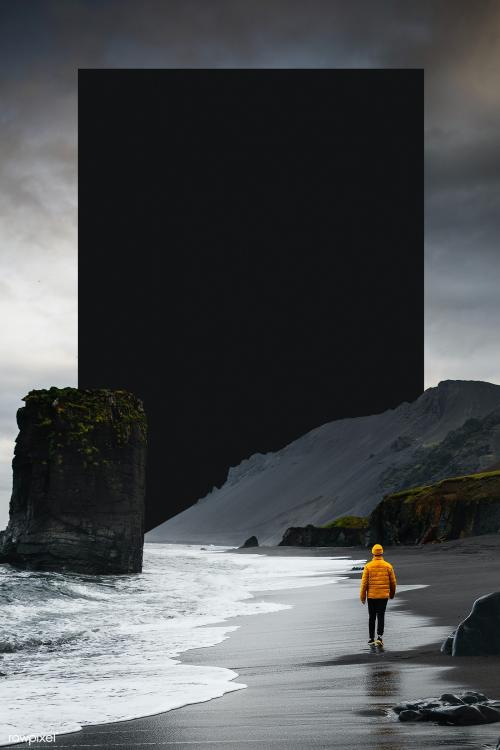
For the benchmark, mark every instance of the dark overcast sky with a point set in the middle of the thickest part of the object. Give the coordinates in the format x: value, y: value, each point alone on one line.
x: 42, y: 44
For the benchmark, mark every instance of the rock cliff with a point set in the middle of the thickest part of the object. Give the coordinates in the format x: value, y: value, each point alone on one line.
x: 451, y: 509
x: 78, y: 482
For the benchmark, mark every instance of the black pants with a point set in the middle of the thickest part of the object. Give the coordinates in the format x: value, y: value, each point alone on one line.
x: 376, y: 610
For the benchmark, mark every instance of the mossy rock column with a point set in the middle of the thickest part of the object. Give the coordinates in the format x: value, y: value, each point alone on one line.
x: 78, y: 482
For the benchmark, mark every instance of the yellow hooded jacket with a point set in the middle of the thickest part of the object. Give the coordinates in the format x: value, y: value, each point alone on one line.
x: 378, y: 580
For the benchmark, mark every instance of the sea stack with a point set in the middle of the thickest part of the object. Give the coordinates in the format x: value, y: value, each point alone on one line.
x: 78, y: 482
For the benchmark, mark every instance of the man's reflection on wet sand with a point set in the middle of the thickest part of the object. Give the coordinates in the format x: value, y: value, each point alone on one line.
x: 382, y: 683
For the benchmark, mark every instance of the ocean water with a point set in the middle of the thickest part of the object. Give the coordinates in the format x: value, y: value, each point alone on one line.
x: 78, y: 649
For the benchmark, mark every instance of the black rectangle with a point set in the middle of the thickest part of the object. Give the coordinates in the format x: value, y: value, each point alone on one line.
x: 250, y: 256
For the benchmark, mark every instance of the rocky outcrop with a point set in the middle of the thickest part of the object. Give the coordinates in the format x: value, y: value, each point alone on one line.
x: 451, y: 509
x: 252, y: 541
x: 344, y: 532
x: 78, y: 482
x: 466, y: 709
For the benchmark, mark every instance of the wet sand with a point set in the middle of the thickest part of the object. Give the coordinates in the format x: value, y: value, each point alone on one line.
x: 312, y: 681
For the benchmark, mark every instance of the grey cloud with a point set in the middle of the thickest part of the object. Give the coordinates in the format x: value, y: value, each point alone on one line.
x: 464, y: 165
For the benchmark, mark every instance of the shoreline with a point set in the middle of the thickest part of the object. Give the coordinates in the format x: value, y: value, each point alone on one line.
x: 183, y: 601
x: 455, y: 574
x: 311, y: 681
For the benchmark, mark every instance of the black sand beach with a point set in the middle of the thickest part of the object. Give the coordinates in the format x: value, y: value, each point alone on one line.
x: 311, y: 679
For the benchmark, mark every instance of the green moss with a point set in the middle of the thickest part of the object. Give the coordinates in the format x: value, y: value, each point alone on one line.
x: 71, y: 415
x: 483, y: 475
x: 347, y: 522
x: 412, y: 491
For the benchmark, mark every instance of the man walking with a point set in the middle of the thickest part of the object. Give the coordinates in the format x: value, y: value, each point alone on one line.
x: 378, y: 585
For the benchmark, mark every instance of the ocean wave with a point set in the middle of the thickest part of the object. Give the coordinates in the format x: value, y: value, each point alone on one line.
x: 11, y: 645
x: 81, y: 650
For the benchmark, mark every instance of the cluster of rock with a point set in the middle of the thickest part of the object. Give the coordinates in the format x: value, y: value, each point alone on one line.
x: 465, y: 709
x: 78, y: 482
x: 479, y: 633
x: 344, y: 532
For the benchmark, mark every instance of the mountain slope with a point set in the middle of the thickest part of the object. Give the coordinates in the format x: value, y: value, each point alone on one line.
x: 341, y: 468
x: 475, y: 446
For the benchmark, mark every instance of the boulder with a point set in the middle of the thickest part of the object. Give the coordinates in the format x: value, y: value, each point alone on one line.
x: 471, y: 696
x: 491, y: 713
x: 452, y: 700
x: 78, y: 482
x: 250, y: 542
x: 479, y: 633
x: 410, y: 715
x: 462, y: 715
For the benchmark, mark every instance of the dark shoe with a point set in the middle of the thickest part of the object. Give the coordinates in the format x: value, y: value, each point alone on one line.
x: 371, y: 642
